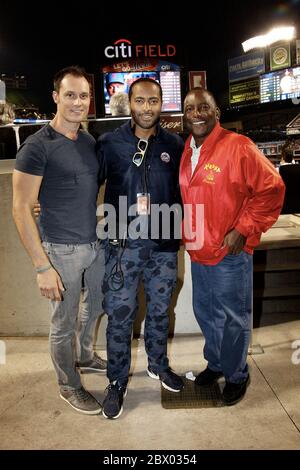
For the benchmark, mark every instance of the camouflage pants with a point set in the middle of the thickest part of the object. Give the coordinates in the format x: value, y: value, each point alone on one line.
x: 158, y: 270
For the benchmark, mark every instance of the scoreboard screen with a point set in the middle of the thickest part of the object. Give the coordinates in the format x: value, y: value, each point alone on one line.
x: 280, y: 85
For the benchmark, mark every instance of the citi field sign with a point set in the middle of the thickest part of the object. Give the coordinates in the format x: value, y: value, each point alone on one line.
x: 123, y: 48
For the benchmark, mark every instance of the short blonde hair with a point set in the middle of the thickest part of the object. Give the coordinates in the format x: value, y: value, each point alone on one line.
x: 119, y: 104
x: 7, y: 113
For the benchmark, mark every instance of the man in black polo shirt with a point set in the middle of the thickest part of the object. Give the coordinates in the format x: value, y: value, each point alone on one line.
x: 58, y: 165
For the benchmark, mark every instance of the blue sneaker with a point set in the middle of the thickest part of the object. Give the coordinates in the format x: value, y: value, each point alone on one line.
x: 169, y: 380
x: 113, y: 402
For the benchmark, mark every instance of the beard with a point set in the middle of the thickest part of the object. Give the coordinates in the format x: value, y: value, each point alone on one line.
x: 145, y: 124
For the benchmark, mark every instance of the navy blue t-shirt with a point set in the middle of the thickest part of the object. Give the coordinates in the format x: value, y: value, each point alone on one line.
x: 69, y: 188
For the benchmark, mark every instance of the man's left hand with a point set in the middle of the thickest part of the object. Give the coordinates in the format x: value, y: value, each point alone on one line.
x: 235, y: 242
x: 36, y: 209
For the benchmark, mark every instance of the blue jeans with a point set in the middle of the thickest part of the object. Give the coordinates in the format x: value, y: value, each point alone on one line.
x: 159, y: 273
x: 222, y: 298
x: 81, y: 268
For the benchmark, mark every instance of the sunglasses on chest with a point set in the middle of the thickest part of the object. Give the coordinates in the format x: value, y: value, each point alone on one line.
x: 138, y: 157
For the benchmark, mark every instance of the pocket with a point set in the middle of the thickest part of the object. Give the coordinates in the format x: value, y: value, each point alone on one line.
x: 240, y: 256
x: 59, y: 249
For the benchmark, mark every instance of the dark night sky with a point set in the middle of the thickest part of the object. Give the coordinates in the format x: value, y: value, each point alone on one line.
x: 38, y: 38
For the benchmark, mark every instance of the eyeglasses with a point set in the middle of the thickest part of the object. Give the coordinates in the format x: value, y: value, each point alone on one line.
x: 138, y: 157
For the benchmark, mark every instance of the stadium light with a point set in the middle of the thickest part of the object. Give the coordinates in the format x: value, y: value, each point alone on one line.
x: 284, y: 33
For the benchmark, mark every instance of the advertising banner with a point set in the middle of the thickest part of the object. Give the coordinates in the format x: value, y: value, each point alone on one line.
x: 246, y: 92
x: 171, y: 123
x: 246, y: 66
x: 280, y: 56
x: 138, y: 65
x: 197, y: 79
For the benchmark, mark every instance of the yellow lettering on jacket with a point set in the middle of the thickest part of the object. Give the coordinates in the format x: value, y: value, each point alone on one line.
x: 213, y: 167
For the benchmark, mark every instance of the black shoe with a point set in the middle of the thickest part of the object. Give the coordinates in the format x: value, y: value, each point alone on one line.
x: 207, y: 377
x: 113, y: 402
x: 233, y: 393
x: 169, y: 380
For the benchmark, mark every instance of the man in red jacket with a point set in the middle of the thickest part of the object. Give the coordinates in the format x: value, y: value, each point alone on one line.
x: 240, y: 195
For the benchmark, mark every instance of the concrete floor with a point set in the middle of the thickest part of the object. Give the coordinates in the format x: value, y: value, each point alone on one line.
x: 32, y: 415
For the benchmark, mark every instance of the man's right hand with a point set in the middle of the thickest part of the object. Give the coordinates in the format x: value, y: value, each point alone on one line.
x: 50, y: 284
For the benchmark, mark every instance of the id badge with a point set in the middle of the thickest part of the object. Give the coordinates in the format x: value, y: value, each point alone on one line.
x: 143, y: 203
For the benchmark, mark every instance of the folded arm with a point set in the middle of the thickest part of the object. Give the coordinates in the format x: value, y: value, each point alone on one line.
x: 266, y: 194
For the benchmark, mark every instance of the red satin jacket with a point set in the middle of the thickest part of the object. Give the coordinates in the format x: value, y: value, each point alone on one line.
x: 233, y: 186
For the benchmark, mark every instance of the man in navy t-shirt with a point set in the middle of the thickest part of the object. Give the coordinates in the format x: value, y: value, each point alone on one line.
x: 58, y: 165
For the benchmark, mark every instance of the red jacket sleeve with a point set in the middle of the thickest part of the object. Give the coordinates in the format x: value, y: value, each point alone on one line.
x: 266, y: 190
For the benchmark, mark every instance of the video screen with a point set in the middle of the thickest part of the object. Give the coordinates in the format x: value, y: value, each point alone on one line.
x: 280, y: 85
x: 115, y: 82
